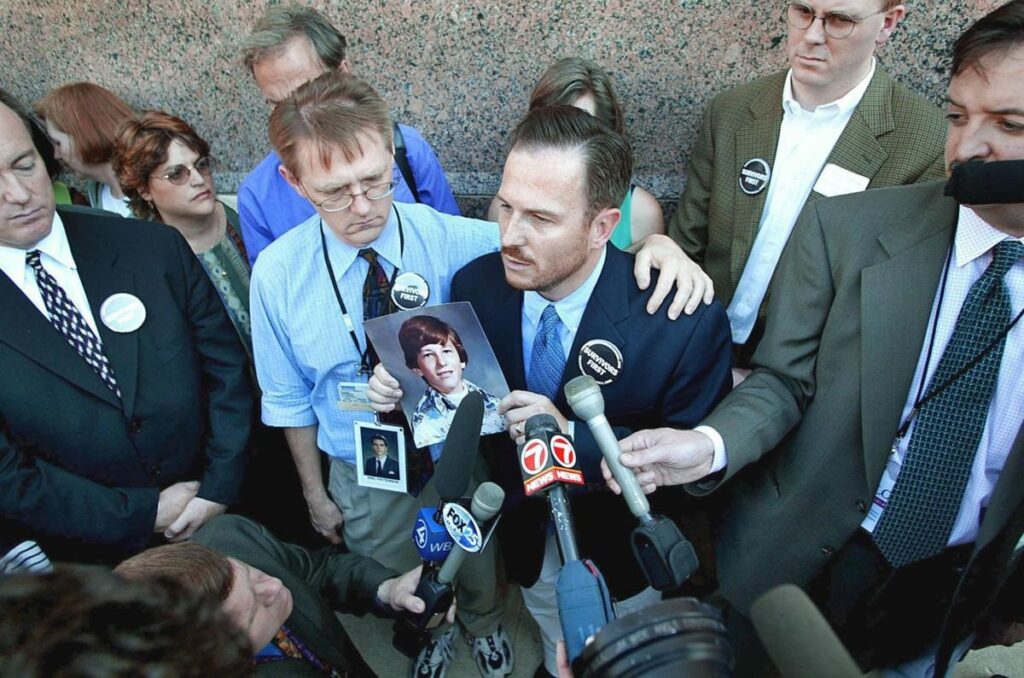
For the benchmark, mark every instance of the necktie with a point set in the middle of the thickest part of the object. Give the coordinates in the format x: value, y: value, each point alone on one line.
x: 376, y: 297
x: 925, y: 501
x: 547, y: 361
x: 377, y: 302
x: 69, y: 321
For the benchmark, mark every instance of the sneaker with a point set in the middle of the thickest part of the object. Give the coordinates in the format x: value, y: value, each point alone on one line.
x: 493, y: 654
x: 433, y: 660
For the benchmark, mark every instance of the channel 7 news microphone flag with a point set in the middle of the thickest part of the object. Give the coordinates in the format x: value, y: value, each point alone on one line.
x: 549, y: 461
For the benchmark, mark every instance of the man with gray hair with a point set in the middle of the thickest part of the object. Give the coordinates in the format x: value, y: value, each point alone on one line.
x: 288, y: 46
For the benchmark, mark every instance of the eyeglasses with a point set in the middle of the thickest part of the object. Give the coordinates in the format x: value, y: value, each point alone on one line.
x: 836, y: 24
x: 342, y: 202
x: 179, y: 174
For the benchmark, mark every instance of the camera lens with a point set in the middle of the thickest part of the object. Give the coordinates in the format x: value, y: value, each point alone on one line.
x: 681, y: 637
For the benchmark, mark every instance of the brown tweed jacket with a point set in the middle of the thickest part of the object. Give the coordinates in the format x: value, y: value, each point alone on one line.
x: 894, y: 137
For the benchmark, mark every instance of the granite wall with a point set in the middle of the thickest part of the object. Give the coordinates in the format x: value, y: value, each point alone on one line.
x: 459, y: 70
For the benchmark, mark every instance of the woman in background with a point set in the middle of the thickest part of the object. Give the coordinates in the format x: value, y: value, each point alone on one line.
x: 583, y: 84
x: 82, y: 121
x: 164, y: 168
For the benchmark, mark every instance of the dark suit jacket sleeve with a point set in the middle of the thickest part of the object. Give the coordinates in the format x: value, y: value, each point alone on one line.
x: 689, y: 225
x: 347, y: 581
x: 755, y: 417
x: 226, y: 387
x: 45, y: 500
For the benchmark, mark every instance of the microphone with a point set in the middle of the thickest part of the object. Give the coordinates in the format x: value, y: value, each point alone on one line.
x: 487, y: 501
x: 797, y: 637
x: 451, y: 479
x: 584, y: 603
x: 663, y: 553
x: 987, y: 183
x: 432, y: 539
x: 537, y: 465
x: 436, y: 588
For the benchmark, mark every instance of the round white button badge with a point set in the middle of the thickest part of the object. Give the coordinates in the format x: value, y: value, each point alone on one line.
x: 123, y: 312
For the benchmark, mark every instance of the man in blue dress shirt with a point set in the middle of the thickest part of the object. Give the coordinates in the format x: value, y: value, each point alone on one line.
x: 291, y: 45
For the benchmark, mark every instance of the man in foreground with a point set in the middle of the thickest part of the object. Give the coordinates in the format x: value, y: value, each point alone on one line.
x: 884, y: 411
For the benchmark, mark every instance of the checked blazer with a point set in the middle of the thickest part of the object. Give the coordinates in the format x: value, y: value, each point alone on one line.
x: 894, y: 137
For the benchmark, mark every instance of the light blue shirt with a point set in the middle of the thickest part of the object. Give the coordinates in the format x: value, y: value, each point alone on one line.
x: 301, y: 344
x: 569, y: 309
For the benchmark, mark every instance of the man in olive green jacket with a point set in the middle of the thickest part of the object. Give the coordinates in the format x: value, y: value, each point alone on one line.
x: 834, y: 123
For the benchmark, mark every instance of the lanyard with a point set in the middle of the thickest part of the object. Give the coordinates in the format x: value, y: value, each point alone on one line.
x: 364, y: 361
x: 935, y: 391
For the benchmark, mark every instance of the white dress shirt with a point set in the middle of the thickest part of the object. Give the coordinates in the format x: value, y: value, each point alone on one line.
x: 972, y: 254
x: 58, y: 262
x: 806, y: 139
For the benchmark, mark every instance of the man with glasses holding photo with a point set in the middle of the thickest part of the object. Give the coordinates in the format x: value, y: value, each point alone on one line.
x: 833, y: 123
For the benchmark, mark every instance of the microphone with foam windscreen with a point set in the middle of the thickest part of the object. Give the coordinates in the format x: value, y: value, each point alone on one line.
x: 547, y: 459
x: 797, y: 637
x: 451, y: 479
x: 665, y: 555
x: 987, y: 183
x: 432, y: 538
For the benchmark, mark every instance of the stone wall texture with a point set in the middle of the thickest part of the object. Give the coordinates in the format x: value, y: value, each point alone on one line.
x: 459, y: 70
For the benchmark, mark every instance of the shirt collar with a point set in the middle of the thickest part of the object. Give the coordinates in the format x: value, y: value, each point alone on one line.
x: 974, y: 236
x: 843, y: 104
x: 54, y: 246
x: 571, y: 307
x: 387, y: 246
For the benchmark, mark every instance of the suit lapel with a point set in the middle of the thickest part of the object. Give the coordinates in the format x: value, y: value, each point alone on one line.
x: 896, y: 302
x: 607, y: 309
x: 857, y: 148
x: 759, y: 139
x: 95, y: 260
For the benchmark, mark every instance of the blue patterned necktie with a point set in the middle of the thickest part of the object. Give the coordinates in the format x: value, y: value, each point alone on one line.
x: 547, y: 361
x: 69, y: 321
x: 926, y: 499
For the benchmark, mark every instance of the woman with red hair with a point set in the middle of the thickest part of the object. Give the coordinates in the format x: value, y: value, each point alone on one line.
x: 82, y: 121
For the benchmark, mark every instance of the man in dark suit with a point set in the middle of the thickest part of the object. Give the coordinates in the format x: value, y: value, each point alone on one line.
x: 834, y: 122
x: 282, y: 595
x: 125, y: 404
x: 380, y: 465
x: 885, y: 409
x: 555, y: 295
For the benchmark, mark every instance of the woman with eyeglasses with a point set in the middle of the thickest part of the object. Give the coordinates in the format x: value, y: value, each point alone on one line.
x: 164, y: 168
x: 82, y: 121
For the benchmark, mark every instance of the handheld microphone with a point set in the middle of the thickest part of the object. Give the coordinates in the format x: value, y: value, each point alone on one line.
x: 797, y: 637
x: 436, y: 588
x: 987, y: 183
x: 451, y: 480
x: 663, y: 553
x: 584, y: 603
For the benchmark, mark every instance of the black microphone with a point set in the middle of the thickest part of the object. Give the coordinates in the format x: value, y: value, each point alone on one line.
x: 663, y: 553
x: 451, y: 478
x: 546, y: 460
x: 797, y: 637
x: 432, y: 539
x: 987, y: 183
x: 538, y: 468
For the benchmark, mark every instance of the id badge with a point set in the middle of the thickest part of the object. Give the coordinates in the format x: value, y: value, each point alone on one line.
x: 380, y: 457
x: 352, y: 396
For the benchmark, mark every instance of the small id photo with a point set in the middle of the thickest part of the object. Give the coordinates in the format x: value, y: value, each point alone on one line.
x: 380, y: 456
